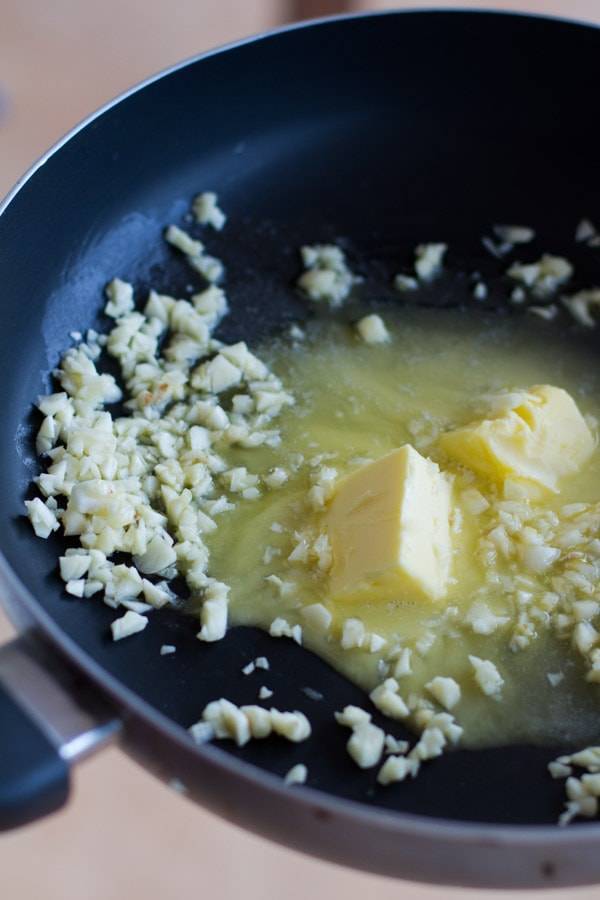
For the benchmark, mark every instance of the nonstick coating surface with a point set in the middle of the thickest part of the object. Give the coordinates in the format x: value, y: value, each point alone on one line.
x: 380, y: 131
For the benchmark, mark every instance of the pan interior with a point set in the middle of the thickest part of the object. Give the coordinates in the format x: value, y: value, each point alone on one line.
x: 379, y: 133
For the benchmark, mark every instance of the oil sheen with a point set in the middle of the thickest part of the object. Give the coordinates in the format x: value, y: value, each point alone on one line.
x: 356, y: 401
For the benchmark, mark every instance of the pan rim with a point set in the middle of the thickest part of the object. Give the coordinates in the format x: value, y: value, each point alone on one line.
x: 399, y: 823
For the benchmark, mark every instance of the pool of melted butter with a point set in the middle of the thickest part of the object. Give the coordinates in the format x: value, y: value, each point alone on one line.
x: 355, y: 401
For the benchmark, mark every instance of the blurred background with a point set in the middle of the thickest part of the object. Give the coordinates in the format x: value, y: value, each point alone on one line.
x: 124, y: 834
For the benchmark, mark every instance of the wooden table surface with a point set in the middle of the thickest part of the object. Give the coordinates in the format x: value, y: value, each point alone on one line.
x: 124, y: 835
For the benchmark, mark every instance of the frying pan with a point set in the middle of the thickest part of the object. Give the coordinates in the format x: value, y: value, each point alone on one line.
x: 376, y: 130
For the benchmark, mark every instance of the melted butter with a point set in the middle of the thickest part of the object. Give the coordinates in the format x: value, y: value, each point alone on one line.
x: 355, y: 401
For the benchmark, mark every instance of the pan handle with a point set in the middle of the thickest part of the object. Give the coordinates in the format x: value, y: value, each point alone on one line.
x: 50, y: 717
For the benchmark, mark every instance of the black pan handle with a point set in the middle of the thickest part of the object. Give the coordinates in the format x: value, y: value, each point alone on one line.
x: 50, y: 717
x: 34, y: 778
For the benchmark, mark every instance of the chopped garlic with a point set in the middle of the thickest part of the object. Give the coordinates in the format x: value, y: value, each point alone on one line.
x: 265, y: 693
x: 585, y: 231
x: 428, y: 262
x: 280, y: 627
x: 544, y: 312
x: 74, y: 566
x: 130, y: 623
x: 75, y: 587
x: 182, y: 241
x: 365, y: 745
x: 402, y: 665
x: 487, y: 676
x: 580, y: 306
x: 228, y: 721
x: 372, y: 330
x: 276, y: 478
x: 430, y: 744
x: 213, y: 614
x: 120, y: 298
x: 168, y: 649
x: 352, y: 716
x: 159, y: 555
x: 543, y: 277
x: 386, y: 698
x: 292, y: 725
x: 482, y: 620
x: 249, y: 668
x: 41, y: 517
x: 202, y: 732
x: 207, y: 212
x: 297, y: 774
x: 317, y: 616
x: 514, y: 234
x: 445, y: 690
x: 405, y: 283
x: 327, y: 276
x: 353, y: 634
x: 397, y: 768
x: 393, y: 745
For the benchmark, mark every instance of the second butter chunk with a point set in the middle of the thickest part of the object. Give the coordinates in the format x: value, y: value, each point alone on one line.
x: 388, y: 526
x: 538, y: 435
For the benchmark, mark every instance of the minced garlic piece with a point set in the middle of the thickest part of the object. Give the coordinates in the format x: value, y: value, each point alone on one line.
x: 366, y: 742
x: 206, y: 209
x: 41, y: 517
x: 402, y: 665
x: 130, y: 623
x: 353, y: 634
x: 404, y: 283
x: 543, y: 277
x: 120, y: 298
x: 292, y: 725
x: 580, y: 306
x: 428, y: 263
x: 280, y: 627
x: 297, y: 774
x: 242, y: 723
x: 430, y: 744
x: 213, y: 614
x: 585, y: 232
x: 365, y: 745
x: 327, y: 276
x: 397, y: 768
x: 514, y: 234
x: 372, y: 330
x: 482, y: 620
x: 487, y: 676
x: 445, y: 690
x: 387, y: 699
x: 352, y: 716
x: 317, y: 616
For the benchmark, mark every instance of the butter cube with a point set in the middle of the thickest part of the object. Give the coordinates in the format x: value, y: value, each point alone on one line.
x: 537, y: 435
x: 388, y: 526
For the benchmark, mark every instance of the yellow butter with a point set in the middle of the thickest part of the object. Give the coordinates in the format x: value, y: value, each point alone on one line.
x: 388, y: 527
x: 538, y: 435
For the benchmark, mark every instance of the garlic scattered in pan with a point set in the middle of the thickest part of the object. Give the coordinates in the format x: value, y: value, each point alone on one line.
x: 206, y: 210
x: 327, y: 276
x: 297, y: 774
x: 428, y: 260
x: 372, y: 330
x: 226, y: 720
x: 580, y: 306
x: 514, y: 234
x: 543, y: 277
